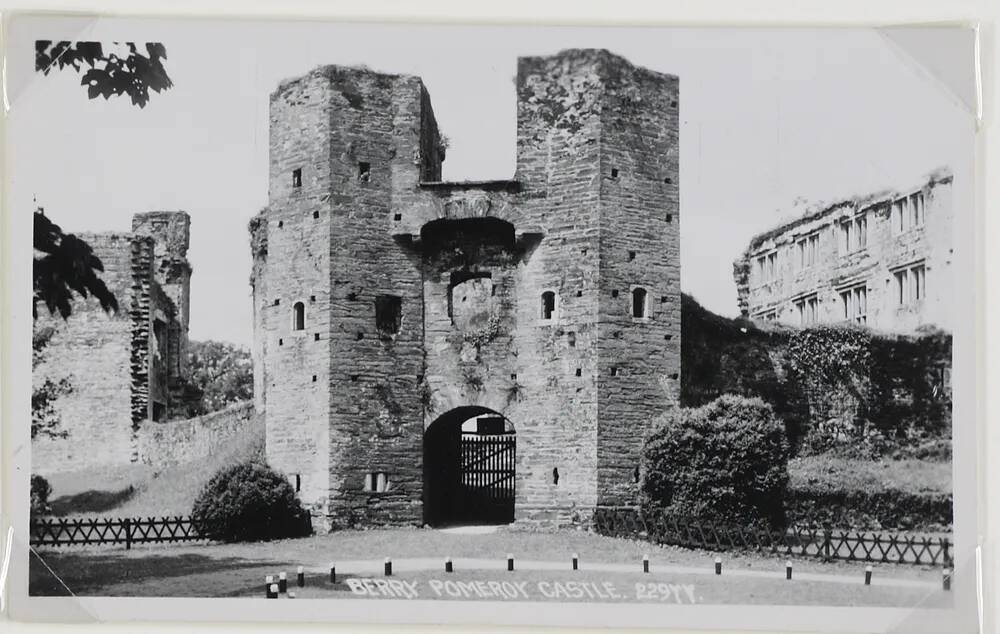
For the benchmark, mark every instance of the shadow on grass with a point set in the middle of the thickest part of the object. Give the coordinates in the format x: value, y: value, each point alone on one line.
x: 91, y: 501
x: 62, y: 573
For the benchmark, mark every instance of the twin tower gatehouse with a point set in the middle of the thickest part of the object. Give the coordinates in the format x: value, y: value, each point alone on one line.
x: 457, y: 352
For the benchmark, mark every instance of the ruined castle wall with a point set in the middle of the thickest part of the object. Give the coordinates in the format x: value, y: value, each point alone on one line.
x: 639, y: 314
x: 376, y: 412
x: 297, y: 362
x: 176, y: 442
x: 558, y: 163
x: 836, y: 267
x: 259, y: 297
x: 170, y: 231
x: 472, y: 331
x: 92, y: 351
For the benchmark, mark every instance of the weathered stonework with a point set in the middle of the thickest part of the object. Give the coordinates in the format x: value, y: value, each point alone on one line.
x: 126, y: 369
x: 358, y: 219
x: 187, y: 440
x: 896, y: 244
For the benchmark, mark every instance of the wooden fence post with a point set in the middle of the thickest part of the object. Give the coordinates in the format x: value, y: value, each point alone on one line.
x: 827, y: 538
x: 128, y: 533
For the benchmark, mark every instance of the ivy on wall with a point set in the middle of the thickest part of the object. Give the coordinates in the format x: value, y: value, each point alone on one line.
x: 832, y: 385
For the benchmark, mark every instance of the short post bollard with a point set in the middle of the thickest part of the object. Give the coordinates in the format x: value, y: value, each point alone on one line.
x: 868, y: 575
x: 268, y: 580
x: 510, y: 562
x: 946, y: 579
x: 718, y: 565
x: 388, y: 567
x: 300, y: 577
x: 272, y: 591
x: 333, y: 573
x: 645, y: 563
x: 448, y: 567
x: 788, y: 570
x: 576, y: 561
x: 282, y: 583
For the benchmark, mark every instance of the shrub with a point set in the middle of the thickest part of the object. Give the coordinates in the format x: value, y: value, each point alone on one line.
x: 888, y: 509
x: 249, y: 502
x: 40, y: 492
x: 726, y: 461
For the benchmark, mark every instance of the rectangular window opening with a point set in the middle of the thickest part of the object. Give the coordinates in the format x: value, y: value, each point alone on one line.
x: 364, y: 171
x: 388, y: 314
x: 297, y: 177
x: 376, y: 482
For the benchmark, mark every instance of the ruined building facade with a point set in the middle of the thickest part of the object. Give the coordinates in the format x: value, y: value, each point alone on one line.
x: 424, y: 349
x: 882, y: 260
x: 124, y: 370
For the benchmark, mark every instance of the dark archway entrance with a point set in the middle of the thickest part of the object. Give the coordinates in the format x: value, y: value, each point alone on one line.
x: 469, y: 468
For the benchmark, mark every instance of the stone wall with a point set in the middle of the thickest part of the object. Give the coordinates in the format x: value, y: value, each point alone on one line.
x: 176, y: 442
x: 298, y: 220
x: 126, y: 368
x: 93, y: 351
x: 639, y: 369
x: 468, y: 264
x: 837, y: 267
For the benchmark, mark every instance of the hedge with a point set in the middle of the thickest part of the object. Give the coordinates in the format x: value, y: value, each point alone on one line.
x: 889, y: 509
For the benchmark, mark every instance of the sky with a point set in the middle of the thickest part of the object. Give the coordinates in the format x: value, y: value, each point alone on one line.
x: 772, y: 120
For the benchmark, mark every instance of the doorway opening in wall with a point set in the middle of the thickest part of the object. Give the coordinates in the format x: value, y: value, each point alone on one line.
x: 469, y: 471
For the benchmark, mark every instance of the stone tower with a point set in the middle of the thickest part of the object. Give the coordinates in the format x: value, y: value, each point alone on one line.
x: 127, y: 368
x: 391, y: 309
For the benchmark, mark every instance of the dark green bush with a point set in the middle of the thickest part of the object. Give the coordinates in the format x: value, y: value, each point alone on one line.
x: 889, y: 509
x: 40, y: 492
x: 726, y: 461
x: 249, y: 502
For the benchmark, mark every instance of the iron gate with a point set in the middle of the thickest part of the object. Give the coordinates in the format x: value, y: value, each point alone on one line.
x: 487, y: 484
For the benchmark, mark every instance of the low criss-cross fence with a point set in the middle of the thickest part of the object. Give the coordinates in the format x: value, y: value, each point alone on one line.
x: 826, y: 544
x: 128, y: 531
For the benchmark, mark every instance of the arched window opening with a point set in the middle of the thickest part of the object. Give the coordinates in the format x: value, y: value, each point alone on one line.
x: 299, y: 316
x: 639, y: 303
x: 548, y: 305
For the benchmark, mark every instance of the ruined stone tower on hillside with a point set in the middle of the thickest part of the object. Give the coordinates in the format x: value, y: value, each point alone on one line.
x: 122, y: 371
x: 449, y: 352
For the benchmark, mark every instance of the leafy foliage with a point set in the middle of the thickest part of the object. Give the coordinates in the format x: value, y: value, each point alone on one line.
x: 223, y: 372
x: 249, y: 502
x: 893, y: 509
x: 40, y: 492
x: 738, y: 356
x: 45, y: 419
x: 726, y: 461
x: 838, y: 388
x: 107, y: 73
x: 65, y: 264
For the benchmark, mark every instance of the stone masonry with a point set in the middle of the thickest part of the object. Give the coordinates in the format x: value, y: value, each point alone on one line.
x: 387, y: 301
x: 882, y: 260
x: 124, y: 369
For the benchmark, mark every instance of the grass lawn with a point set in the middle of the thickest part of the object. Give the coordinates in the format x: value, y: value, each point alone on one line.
x: 913, y: 476
x: 142, y: 490
x: 238, y: 570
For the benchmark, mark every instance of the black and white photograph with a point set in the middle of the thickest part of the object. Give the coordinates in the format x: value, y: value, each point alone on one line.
x: 470, y: 324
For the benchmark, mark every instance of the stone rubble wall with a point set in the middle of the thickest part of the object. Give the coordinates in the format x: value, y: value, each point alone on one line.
x: 180, y: 441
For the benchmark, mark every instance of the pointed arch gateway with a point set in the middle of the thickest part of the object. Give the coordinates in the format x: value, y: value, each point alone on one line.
x: 469, y: 471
